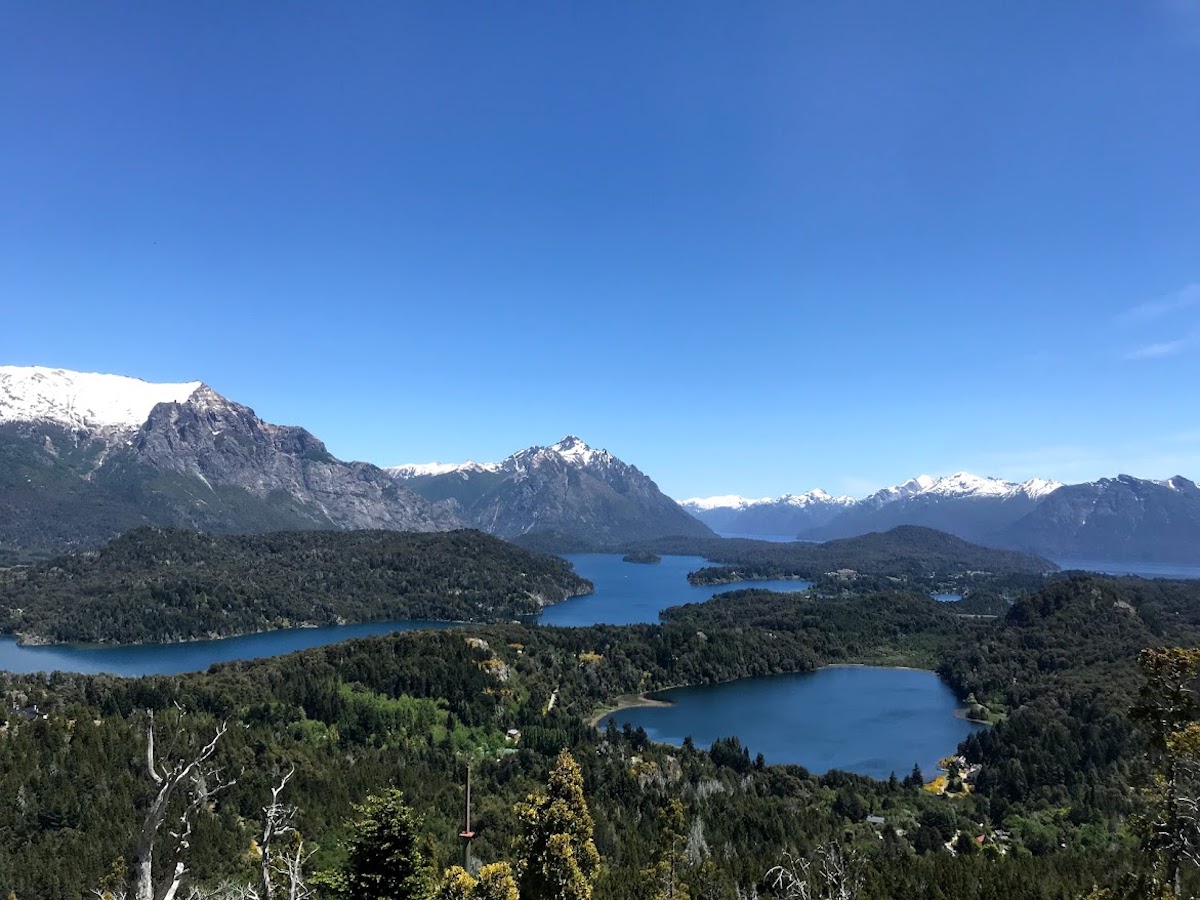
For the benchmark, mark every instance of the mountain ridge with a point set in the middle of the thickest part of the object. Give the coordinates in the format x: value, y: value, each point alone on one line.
x: 77, y: 468
x: 570, y: 494
x: 1122, y: 519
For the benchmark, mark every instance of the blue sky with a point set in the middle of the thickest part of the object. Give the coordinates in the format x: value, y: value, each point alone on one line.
x: 751, y: 248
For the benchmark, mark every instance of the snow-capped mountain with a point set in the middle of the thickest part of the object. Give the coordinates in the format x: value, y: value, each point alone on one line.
x: 90, y: 455
x: 898, y: 492
x: 970, y: 506
x: 420, y: 470
x: 566, y: 495
x: 785, y: 515
x: 88, y: 401
x: 960, y: 484
x: 1122, y: 519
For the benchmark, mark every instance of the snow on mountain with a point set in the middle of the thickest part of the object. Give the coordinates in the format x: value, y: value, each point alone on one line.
x: 417, y: 470
x: 910, y: 488
x: 725, y: 501
x: 816, y: 497
x: 962, y: 484
x: 570, y: 449
x: 83, y: 400
x: 575, y: 450
x: 1037, y: 488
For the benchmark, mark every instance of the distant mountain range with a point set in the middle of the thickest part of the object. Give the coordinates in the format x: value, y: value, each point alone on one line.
x: 1123, y: 519
x: 84, y: 457
x: 564, y: 496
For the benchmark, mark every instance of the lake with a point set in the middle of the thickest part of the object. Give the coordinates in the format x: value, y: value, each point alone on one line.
x: 1143, y: 570
x: 872, y: 721
x: 633, y: 593
x: 193, y: 656
x: 626, y: 593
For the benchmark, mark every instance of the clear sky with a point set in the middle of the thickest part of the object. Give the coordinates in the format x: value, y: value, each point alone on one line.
x: 749, y: 247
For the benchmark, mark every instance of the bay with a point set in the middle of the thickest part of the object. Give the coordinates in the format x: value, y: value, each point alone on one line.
x: 635, y: 593
x: 873, y: 721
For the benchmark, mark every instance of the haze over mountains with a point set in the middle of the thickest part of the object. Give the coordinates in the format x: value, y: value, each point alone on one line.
x: 1122, y: 519
x: 84, y: 457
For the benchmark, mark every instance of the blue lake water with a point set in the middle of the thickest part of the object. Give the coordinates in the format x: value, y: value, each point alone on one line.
x: 626, y: 593
x: 946, y: 598
x: 632, y: 593
x: 872, y: 721
x: 1144, y: 570
x: 193, y: 656
x: 866, y: 720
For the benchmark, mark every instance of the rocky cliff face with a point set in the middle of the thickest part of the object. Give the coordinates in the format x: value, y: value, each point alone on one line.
x: 202, y: 461
x: 224, y: 444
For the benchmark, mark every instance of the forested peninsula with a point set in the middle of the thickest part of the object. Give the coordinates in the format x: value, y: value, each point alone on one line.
x: 166, y: 584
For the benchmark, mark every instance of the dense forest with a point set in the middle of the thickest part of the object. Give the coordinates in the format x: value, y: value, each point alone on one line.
x: 1052, y: 811
x: 163, y: 584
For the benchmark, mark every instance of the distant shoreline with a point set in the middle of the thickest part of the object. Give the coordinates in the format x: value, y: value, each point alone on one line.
x: 625, y: 701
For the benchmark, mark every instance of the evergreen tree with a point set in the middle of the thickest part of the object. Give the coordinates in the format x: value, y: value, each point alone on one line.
x: 384, y: 861
x: 558, y: 859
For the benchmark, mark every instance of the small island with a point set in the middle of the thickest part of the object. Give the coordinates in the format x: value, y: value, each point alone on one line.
x: 642, y: 556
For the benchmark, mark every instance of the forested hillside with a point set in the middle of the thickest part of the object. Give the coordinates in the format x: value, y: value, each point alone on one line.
x: 1063, y: 772
x: 908, y: 551
x: 156, y: 584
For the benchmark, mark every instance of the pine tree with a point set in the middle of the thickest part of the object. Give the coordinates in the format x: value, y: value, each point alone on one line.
x: 558, y: 859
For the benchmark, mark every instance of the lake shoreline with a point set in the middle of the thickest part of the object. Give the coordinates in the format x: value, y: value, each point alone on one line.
x: 628, y: 701
x: 645, y: 698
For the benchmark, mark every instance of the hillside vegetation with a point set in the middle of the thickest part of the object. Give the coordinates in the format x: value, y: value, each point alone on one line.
x: 155, y: 584
x: 1056, y: 800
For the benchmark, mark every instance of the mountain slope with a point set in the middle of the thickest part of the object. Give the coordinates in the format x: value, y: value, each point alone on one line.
x: 567, y: 496
x: 1122, y: 519
x: 84, y: 457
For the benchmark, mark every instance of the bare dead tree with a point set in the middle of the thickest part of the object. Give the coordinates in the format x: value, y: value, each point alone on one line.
x: 287, y: 864
x: 193, y: 777
x: 833, y: 874
x: 226, y: 891
x: 290, y: 867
